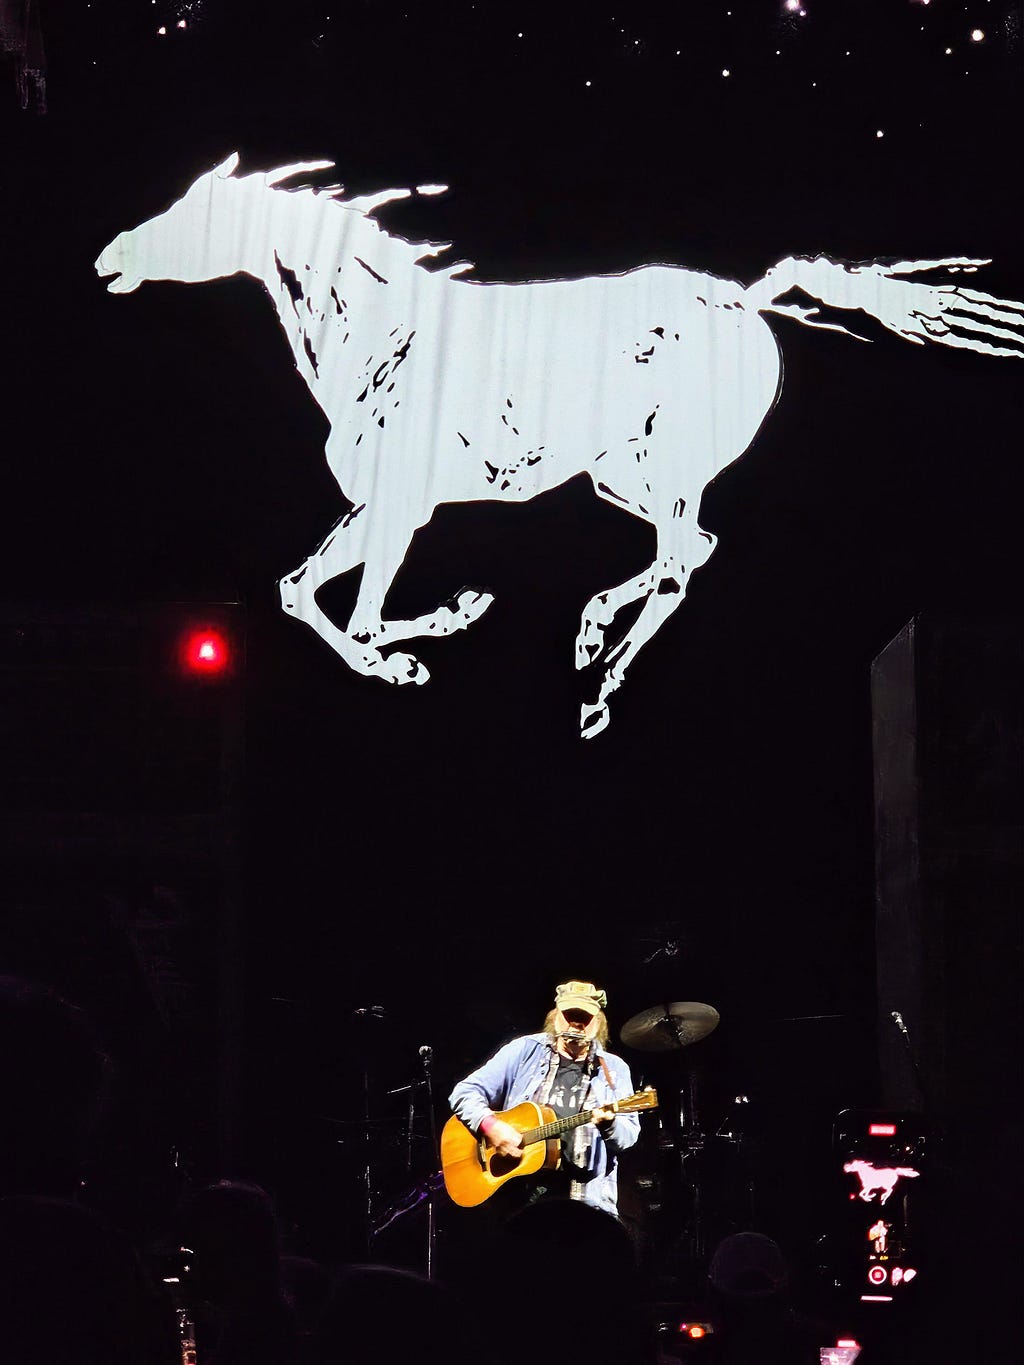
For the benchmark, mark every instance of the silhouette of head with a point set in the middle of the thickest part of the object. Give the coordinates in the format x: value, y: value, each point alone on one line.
x: 748, y: 1266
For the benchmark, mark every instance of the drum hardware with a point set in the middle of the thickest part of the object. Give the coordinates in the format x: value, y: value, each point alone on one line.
x: 368, y: 1018
x: 408, y: 1200
x: 669, y: 1028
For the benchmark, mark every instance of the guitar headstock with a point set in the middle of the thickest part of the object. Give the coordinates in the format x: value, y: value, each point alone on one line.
x: 643, y: 1099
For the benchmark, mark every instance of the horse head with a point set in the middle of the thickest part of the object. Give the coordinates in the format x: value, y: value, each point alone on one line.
x: 202, y: 236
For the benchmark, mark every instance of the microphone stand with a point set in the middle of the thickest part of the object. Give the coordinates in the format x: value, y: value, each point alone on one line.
x: 428, y: 1188
x: 427, y: 1055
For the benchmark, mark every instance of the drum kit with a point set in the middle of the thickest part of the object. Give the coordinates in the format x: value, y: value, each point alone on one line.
x: 697, y: 1184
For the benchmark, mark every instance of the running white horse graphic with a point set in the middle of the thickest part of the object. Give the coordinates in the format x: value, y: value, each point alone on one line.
x: 440, y: 389
x: 880, y: 1180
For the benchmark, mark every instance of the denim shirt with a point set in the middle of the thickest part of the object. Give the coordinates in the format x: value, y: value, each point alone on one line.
x: 516, y: 1073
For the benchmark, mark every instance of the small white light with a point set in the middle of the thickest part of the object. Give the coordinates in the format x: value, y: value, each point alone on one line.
x: 949, y: 51
x: 880, y: 133
x: 161, y: 31
x: 725, y: 71
x: 977, y: 35
x: 588, y: 82
x: 182, y: 24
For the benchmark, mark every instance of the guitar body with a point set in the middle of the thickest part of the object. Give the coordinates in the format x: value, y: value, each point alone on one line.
x: 473, y: 1169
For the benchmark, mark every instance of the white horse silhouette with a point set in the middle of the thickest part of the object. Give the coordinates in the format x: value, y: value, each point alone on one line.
x: 440, y: 389
x: 878, y: 1179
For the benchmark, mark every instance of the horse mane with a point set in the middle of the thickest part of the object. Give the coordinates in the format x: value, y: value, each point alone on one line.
x: 398, y: 250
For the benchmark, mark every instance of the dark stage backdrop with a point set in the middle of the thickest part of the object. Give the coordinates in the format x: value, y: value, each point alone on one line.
x: 451, y: 852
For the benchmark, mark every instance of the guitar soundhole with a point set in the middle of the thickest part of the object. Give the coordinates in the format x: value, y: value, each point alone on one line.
x: 502, y: 1165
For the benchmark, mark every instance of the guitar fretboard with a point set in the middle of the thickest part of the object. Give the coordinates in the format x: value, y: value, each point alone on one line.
x: 556, y: 1127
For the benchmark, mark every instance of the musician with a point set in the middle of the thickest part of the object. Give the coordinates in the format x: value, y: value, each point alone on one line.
x: 567, y: 1068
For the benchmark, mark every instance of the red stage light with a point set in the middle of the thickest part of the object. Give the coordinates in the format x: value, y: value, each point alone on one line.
x: 694, y: 1330
x: 878, y: 1274
x: 206, y: 651
x: 882, y: 1129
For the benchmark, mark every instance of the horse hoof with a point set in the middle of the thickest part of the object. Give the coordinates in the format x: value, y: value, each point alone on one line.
x: 593, y: 719
x: 401, y: 669
x: 471, y: 604
x: 589, y: 643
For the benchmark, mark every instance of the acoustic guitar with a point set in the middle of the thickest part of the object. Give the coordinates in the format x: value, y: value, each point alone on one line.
x: 473, y: 1169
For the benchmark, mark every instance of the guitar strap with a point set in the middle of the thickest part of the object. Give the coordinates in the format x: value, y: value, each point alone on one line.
x: 544, y: 1093
x: 576, y: 1187
x: 607, y: 1074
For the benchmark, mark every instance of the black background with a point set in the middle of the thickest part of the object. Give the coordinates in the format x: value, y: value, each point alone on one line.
x: 452, y: 852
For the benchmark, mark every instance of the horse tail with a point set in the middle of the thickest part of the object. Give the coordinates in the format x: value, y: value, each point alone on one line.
x: 946, y: 313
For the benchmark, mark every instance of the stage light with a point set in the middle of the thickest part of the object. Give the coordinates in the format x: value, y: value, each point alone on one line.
x: 206, y: 652
x: 844, y: 1352
x: 694, y: 1330
x: 882, y: 1129
x: 878, y: 1274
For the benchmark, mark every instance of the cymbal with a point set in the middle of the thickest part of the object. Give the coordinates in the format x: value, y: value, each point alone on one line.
x: 667, y: 1027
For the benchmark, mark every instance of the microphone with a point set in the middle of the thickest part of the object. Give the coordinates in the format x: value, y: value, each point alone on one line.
x: 897, y: 1019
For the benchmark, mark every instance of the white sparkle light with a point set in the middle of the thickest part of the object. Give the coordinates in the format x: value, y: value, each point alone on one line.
x: 726, y: 71
x: 161, y: 31
x: 792, y: 5
x: 880, y: 132
x: 977, y: 35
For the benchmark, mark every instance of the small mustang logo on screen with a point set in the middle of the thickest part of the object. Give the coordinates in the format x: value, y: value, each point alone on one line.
x: 880, y: 1180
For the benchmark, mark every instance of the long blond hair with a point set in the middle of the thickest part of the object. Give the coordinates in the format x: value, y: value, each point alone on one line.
x: 602, y: 1025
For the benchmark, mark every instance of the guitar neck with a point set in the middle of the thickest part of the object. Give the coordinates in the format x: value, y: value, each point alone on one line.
x: 556, y: 1127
